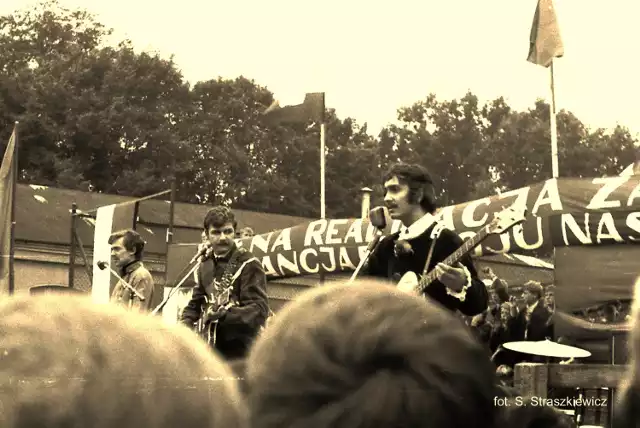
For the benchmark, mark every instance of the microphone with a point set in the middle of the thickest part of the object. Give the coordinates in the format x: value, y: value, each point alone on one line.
x: 203, y: 251
x: 378, y: 218
x: 102, y: 265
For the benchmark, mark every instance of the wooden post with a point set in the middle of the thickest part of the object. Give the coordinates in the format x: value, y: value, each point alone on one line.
x: 531, y: 379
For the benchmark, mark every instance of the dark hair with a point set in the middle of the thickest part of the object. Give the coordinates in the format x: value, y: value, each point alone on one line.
x: 534, y: 287
x: 132, y: 241
x: 219, y: 216
x: 417, y: 178
x: 386, y: 359
x: 501, y: 288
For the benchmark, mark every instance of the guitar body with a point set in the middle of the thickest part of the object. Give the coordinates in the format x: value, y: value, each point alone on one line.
x: 503, y: 221
x: 409, y: 283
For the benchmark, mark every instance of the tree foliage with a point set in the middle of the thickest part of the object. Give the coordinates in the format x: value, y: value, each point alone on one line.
x: 126, y: 122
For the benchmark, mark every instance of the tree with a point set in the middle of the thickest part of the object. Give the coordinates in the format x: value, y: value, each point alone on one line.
x: 441, y: 134
x: 89, y: 115
x: 520, y: 148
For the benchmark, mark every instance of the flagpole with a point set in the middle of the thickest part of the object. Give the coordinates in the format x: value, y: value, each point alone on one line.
x: 554, y: 126
x: 12, y: 247
x: 322, y: 172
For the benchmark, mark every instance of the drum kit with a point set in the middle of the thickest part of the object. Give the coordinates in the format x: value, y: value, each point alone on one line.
x: 547, y: 348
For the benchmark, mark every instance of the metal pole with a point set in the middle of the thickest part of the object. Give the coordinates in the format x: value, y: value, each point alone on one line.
x: 72, y: 249
x: 12, y: 232
x: 554, y: 129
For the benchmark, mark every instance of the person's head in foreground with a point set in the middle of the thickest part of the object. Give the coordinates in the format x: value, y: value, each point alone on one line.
x: 367, y: 355
x: 68, y: 363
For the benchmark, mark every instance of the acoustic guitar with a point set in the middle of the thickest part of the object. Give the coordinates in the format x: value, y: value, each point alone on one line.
x: 502, y: 222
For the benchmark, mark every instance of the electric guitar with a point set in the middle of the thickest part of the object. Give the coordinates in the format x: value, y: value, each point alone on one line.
x: 503, y: 221
x: 207, y: 326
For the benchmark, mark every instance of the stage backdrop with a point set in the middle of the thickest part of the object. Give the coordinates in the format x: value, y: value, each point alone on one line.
x: 588, y: 276
x: 557, y: 210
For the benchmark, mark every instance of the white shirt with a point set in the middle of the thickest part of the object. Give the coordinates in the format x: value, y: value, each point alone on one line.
x: 527, y: 315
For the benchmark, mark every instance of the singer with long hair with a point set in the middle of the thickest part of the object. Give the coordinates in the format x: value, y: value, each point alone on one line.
x: 229, y: 302
x: 410, y: 198
x: 127, y: 247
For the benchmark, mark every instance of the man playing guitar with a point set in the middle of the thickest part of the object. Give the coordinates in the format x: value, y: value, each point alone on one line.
x: 229, y: 301
x: 410, y: 198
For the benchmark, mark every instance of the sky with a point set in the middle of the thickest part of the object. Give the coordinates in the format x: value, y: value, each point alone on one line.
x: 371, y: 58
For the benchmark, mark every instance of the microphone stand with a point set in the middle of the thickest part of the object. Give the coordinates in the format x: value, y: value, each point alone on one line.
x: 177, y: 286
x: 372, y: 246
x: 128, y: 287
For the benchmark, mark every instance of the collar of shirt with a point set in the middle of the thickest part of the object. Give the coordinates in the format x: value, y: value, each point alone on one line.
x: 418, y: 227
x: 221, y: 259
x: 131, y: 267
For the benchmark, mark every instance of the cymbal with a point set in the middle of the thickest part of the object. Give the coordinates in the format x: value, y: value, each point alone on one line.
x: 547, y: 348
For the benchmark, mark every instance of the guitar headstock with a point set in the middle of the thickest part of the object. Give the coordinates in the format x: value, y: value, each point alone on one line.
x: 507, y: 218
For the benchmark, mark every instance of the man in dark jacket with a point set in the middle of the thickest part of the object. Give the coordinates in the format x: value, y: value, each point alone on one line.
x: 229, y: 301
x: 410, y: 198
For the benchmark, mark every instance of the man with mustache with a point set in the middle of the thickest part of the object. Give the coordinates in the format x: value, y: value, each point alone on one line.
x: 410, y: 198
x: 230, y: 289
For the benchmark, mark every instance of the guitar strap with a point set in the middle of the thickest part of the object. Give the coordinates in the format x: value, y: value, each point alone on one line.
x: 435, y: 233
x: 426, y: 266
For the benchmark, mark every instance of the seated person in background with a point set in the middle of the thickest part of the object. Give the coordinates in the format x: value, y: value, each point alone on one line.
x: 533, y: 320
x: 84, y: 365
x: 504, y: 330
x: 484, y: 323
x: 246, y: 232
x: 550, y: 297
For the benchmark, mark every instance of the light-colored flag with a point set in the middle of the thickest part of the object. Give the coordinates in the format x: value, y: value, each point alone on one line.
x: 109, y: 219
x: 545, y: 42
x: 7, y: 200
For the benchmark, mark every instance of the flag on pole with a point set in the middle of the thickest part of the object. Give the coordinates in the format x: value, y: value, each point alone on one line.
x: 7, y: 200
x: 545, y: 42
x: 109, y: 219
x: 312, y: 108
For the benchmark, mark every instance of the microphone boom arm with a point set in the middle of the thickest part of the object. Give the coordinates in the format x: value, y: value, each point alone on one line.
x: 372, y: 246
x: 176, y: 287
x: 128, y: 286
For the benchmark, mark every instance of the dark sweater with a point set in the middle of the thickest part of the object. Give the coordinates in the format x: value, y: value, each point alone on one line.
x: 238, y: 328
x: 384, y: 264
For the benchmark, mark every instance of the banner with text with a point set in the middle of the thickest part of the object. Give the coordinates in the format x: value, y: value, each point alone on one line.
x: 573, y: 196
x: 561, y: 212
x: 328, y: 245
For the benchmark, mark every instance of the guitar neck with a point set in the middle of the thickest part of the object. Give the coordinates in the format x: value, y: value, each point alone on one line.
x: 454, y: 258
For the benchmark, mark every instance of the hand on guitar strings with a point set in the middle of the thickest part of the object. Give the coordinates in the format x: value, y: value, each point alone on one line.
x: 452, y: 277
x: 212, y: 315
